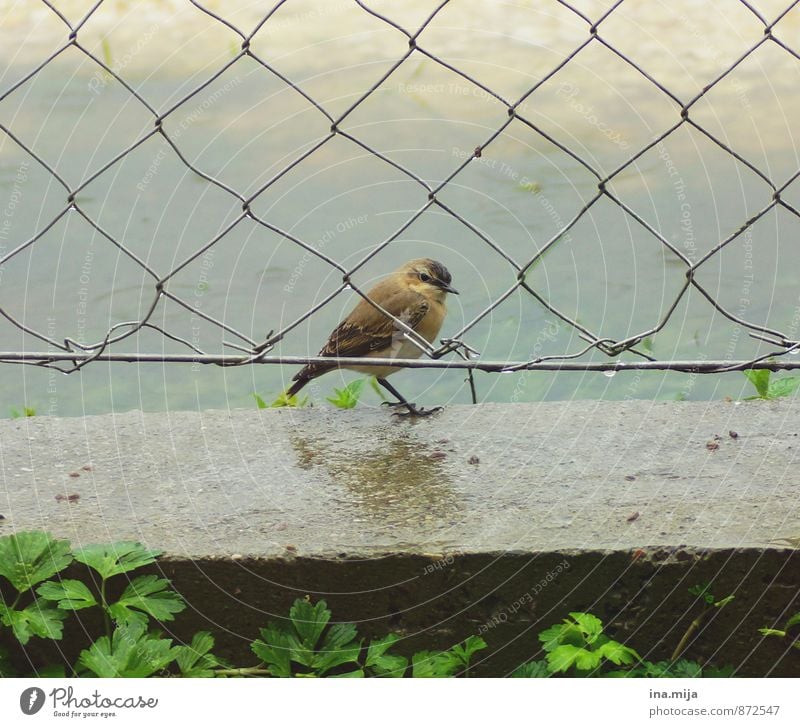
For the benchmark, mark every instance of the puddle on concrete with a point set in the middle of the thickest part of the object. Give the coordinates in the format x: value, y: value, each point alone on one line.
x: 399, y: 481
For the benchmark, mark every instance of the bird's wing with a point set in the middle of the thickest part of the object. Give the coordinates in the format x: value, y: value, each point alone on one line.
x: 367, y: 329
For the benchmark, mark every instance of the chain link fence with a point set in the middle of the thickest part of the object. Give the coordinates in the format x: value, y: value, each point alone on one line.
x: 70, y: 354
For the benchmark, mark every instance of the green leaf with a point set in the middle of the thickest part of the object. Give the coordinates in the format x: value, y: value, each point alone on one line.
x: 653, y: 670
x: 719, y: 672
x: 563, y: 633
x: 282, y: 401
x: 760, y: 379
x: 281, y: 648
x: 683, y: 668
x: 434, y: 664
x: 587, y: 660
x: 339, y: 635
x: 34, y: 620
x: 532, y: 670
x: 426, y: 664
x: 71, y: 595
x: 563, y: 658
x: 196, y: 659
x: 792, y: 621
x: 589, y: 624
x: 310, y: 647
x: 327, y: 659
x: 115, y: 558
x: 309, y: 621
x: 772, y: 632
x: 45, y: 622
x: 618, y: 653
x: 382, y: 664
x: 348, y: 397
x: 275, y: 650
x: 724, y: 601
x: 146, y: 595
x: 471, y: 645
x: 785, y: 386
x: 129, y: 653
x: 29, y: 558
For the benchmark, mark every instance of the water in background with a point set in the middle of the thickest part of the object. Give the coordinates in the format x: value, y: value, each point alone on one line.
x: 608, y: 272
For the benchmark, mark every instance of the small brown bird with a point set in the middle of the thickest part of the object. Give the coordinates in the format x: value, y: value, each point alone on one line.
x: 415, y: 294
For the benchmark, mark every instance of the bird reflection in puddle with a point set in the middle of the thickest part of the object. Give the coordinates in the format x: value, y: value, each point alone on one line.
x: 400, y: 480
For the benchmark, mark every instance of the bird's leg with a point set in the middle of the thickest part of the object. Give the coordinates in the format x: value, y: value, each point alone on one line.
x: 394, y: 392
x: 413, y: 411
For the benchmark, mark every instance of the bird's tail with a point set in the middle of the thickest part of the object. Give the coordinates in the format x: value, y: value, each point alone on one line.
x: 299, y: 383
x: 304, y: 375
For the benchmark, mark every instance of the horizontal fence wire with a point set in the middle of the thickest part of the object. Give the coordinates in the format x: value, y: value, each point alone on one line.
x: 69, y: 355
x: 555, y: 363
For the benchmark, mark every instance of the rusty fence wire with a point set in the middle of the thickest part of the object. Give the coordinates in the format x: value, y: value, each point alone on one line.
x: 69, y: 355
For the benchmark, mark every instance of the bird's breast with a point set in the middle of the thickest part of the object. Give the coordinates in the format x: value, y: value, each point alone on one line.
x: 431, y: 324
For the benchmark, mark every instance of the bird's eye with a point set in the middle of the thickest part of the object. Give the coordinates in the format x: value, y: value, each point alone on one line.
x: 424, y: 277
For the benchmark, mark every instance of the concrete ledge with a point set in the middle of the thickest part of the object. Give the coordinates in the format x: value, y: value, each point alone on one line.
x: 442, y: 527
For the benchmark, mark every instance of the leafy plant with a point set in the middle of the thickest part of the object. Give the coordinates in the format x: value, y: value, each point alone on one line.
x: 447, y: 663
x: 578, y: 647
x: 28, y: 561
x: 306, y: 645
x: 703, y: 592
x: 144, y: 596
x: 784, y: 632
x: 27, y: 411
x: 681, y: 669
x: 129, y: 652
x: 380, y: 663
x: 532, y: 670
x: 282, y: 401
x: 767, y: 388
x: 348, y: 397
x: 310, y: 646
x: 196, y: 659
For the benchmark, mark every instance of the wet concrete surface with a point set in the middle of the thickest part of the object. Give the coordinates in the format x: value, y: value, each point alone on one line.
x: 436, y: 527
x: 494, y: 477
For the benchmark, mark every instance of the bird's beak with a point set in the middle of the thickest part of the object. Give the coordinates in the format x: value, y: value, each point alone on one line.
x: 446, y: 287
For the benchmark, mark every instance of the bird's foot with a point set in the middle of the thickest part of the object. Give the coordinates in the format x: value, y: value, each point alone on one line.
x: 413, y: 411
x: 393, y: 404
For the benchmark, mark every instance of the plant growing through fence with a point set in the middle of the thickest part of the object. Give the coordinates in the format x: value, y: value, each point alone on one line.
x: 768, y: 388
